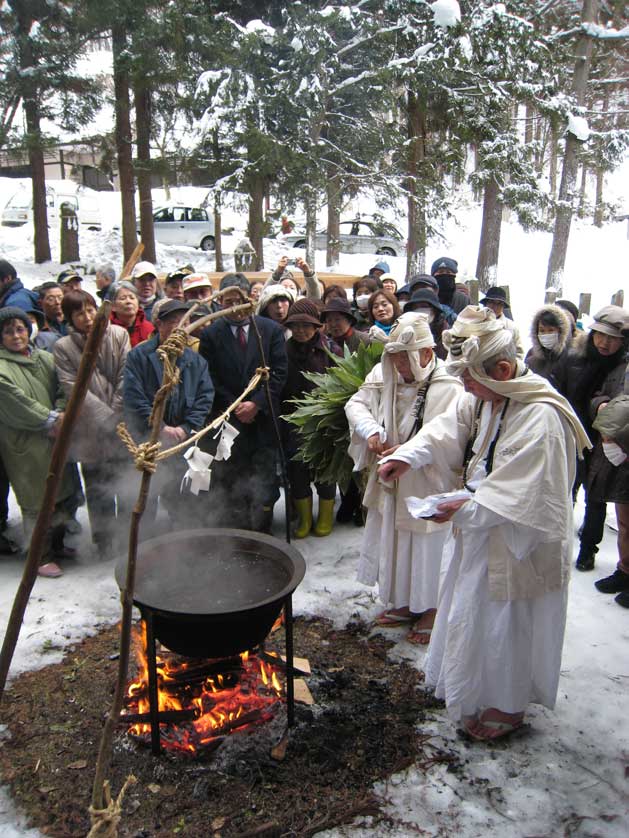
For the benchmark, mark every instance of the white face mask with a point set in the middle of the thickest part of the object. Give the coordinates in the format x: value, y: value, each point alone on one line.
x: 34, y: 332
x: 548, y: 340
x: 362, y: 300
x: 614, y: 453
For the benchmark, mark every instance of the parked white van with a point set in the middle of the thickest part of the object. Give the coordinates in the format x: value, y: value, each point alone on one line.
x: 19, y: 207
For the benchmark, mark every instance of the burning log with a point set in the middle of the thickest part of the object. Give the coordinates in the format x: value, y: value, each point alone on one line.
x: 166, y: 716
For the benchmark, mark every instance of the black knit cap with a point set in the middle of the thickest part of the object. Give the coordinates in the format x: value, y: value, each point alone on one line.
x: 235, y: 279
x: 14, y: 313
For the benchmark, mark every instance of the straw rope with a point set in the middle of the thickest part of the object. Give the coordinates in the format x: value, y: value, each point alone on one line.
x: 105, y: 821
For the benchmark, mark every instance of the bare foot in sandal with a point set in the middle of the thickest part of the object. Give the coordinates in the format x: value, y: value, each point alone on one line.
x: 494, y: 724
x: 394, y: 617
x: 419, y: 635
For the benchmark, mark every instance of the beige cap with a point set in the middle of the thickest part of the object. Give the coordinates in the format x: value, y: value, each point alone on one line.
x: 196, y: 281
x: 611, y: 320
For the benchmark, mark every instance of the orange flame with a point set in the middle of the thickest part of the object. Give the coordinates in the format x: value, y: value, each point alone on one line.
x: 222, y: 702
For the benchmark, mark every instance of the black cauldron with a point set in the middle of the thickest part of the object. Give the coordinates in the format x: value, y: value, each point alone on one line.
x: 213, y: 593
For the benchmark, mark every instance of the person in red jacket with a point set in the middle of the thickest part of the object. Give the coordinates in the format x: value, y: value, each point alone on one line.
x: 128, y: 313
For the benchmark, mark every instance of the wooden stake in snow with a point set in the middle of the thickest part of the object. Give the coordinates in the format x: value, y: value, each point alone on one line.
x: 57, y: 462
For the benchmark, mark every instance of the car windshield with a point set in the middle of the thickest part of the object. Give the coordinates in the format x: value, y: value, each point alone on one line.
x: 21, y: 200
x: 382, y: 228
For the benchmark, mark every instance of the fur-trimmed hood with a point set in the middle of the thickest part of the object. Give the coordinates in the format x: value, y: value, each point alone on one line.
x: 565, y: 330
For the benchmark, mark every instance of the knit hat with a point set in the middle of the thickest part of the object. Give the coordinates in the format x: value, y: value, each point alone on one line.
x: 14, y: 313
x: 390, y: 278
x: 495, y: 294
x: 238, y: 279
x: 611, y: 320
x: 303, y: 311
x: 425, y: 296
x: 570, y: 307
x: 423, y: 281
x: 196, y: 281
x: 274, y: 292
x: 444, y: 263
x: 336, y: 305
x: 143, y: 269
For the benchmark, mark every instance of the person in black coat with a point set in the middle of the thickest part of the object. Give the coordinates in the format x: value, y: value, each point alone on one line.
x: 605, y: 351
x: 244, y: 486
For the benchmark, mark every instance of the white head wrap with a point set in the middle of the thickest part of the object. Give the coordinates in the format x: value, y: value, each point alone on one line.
x: 475, y: 337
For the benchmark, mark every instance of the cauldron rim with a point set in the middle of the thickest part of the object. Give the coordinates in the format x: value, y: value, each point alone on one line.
x: 297, y: 560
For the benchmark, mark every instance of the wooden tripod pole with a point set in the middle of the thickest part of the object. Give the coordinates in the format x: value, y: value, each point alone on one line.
x: 55, y: 471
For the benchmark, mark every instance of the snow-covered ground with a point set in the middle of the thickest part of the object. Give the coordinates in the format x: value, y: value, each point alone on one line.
x: 569, y: 775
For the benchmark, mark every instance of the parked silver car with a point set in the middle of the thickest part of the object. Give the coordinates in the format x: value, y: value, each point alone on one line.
x: 190, y: 226
x: 359, y: 236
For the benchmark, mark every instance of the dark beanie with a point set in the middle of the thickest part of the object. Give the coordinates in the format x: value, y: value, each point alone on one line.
x: 569, y: 306
x: 235, y: 279
x: 303, y: 311
x: 14, y: 313
x: 445, y: 263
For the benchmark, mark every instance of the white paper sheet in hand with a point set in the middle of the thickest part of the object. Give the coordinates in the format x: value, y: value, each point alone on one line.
x: 427, y: 507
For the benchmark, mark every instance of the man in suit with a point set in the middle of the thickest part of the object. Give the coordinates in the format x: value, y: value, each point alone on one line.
x: 243, y: 487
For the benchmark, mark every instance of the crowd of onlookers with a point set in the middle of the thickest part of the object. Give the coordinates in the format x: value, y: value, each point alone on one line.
x: 299, y: 325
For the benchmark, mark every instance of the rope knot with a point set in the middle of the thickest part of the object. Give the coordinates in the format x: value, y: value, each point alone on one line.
x: 264, y: 373
x: 105, y: 821
x: 144, y: 455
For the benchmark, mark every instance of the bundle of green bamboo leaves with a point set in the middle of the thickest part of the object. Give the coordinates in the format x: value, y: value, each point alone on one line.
x: 320, y: 415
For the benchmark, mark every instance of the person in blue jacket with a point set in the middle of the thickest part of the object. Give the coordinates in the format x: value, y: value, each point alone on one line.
x: 12, y: 291
x: 187, y: 409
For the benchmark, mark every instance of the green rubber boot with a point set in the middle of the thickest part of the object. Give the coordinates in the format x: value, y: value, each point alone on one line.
x: 304, y: 511
x: 326, y: 518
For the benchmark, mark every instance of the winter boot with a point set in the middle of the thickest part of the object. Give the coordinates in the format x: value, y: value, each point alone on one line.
x: 623, y: 599
x: 304, y: 510
x: 614, y: 584
x: 326, y: 517
x: 585, y: 559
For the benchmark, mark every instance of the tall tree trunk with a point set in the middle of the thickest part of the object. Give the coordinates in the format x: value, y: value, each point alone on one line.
x: 218, y: 235
x: 416, y: 127
x: 600, y: 173
x: 529, y: 123
x: 582, y: 191
x: 333, y: 244
x: 142, y: 101
x: 310, y: 200
x: 257, y: 189
x: 30, y: 97
x: 552, y: 161
x: 489, y: 248
x: 598, y: 206
x: 563, y: 215
x: 124, y: 140
x: 38, y: 177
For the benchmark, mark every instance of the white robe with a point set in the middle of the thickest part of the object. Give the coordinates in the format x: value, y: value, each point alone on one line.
x: 501, y: 652
x: 402, y: 555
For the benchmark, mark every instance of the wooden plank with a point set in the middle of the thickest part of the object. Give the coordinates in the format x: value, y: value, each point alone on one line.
x: 302, y: 693
x: 585, y: 302
x: 473, y: 289
x: 550, y: 296
x: 303, y: 664
x: 619, y: 298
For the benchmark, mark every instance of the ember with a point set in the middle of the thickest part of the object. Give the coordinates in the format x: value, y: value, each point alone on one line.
x: 200, y: 702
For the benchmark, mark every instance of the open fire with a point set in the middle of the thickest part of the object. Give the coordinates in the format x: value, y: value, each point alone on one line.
x: 202, y: 701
